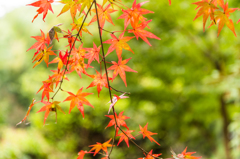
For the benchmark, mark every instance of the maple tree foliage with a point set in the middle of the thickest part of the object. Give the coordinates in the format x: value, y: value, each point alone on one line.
x: 74, y: 57
x: 209, y: 8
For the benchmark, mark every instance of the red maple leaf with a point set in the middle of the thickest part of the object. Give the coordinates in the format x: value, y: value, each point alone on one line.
x: 78, y: 100
x: 61, y: 60
x: 44, y: 6
x: 97, y: 147
x: 41, y: 42
x: 134, y: 15
x: 150, y: 155
x: 147, y: 133
x: 124, y: 137
x: 120, y: 68
x: 81, y: 154
x: 222, y: 18
x: 46, y: 90
x: 139, y: 32
x: 187, y: 155
x: 118, y: 44
x: 50, y: 106
x: 99, y: 81
x: 93, y: 53
x: 120, y: 120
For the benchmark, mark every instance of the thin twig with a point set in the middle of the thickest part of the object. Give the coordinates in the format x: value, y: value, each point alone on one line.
x: 120, y: 91
x: 105, y: 66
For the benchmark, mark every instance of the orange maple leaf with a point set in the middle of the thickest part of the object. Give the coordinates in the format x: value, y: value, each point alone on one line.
x: 93, y: 53
x: 29, y: 109
x: 41, y: 42
x: 120, y: 68
x: 118, y: 44
x: 206, y: 9
x: 44, y: 6
x: 169, y: 2
x: 134, y: 15
x: 147, y: 133
x: 99, y: 81
x: 103, y: 15
x: 46, y: 89
x: 150, y: 155
x: 78, y: 99
x: 97, y: 147
x: 222, y: 18
x: 81, y: 154
x: 61, y: 60
x: 50, y: 106
x: 120, y: 120
x: 72, y: 5
x: 139, y: 32
x: 124, y: 137
x: 187, y: 155
x: 43, y: 55
x: 57, y: 76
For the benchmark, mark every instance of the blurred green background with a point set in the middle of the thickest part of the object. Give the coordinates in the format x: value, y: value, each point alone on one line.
x: 186, y: 88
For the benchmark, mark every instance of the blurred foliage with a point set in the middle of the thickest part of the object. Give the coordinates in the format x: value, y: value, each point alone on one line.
x: 177, y: 88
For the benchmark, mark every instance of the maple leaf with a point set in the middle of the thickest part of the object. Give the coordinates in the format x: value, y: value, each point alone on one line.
x: 46, y: 90
x: 78, y: 53
x: 150, y: 155
x: 29, y: 109
x: 57, y: 76
x: 78, y: 100
x: 115, y: 99
x: 124, y: 137
x: 99, y: 81
x: 97, y: 147
x: 78, y: 23
x: 70, y: 38
x: 79, y: 66
x: 86, y: 3
x: 53, y: 32
x: 169, y: 2
x: 81, y: 154
x: 44, y: 6
x: 103, y: 15
x: 139, y: 32
x: 61, y: 60
x: 147, y: 133
x: 222, y: 18
x: 50, y: 106
x: 72, y: 5
x: 120, y: 68
x: 93, y: 53
x: 184, y: 155
x: 120, y: 120
x: 41, y: 42
x: 43, y: 55
x: 206, y: 9
x: 118, y: 44
x: 134, y: 15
